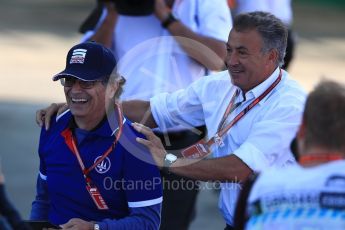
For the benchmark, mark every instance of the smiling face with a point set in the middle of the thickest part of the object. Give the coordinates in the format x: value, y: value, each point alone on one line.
x: 88, y: 106
x: 248, y: 66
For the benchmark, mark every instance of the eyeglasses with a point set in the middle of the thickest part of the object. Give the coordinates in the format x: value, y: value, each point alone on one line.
x: 70, y: 81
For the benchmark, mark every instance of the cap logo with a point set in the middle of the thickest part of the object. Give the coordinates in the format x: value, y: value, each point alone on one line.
x: 78, y: 56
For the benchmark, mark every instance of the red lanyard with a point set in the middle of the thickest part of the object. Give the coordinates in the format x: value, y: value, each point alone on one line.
x: 90, y: 187
x: 86, y: 171
x: 202, y: 149
x: 231, y: 107
x: 239, y: 116
x: 319, y: 158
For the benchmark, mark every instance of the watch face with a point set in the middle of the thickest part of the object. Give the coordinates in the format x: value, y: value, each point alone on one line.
x: 171, y: 157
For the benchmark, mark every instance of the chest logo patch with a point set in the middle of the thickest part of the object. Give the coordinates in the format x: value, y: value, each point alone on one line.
x: 103, y: 166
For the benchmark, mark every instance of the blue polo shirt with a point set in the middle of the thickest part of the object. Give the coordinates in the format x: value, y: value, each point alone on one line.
x: 126, y: 178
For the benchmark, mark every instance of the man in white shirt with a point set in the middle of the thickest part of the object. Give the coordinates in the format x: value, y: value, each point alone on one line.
x: 310, y: 195
x: 271, y: 102
x: 260, y: 139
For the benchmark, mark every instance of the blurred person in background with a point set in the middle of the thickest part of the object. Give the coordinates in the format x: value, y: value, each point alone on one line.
x: 280, y: 8
x: 163, y: 46
x: 310, y: 195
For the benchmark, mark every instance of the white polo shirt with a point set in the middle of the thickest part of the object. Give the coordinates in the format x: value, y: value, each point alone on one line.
x: 299, y: 198
x: 261, y: 139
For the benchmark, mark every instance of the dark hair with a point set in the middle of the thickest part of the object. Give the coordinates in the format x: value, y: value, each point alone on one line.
x: 324, y: 117
x: 272, y: 30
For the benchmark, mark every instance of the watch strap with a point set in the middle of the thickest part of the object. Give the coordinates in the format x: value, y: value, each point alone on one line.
x: 167, y: 22
x: 167, y: 163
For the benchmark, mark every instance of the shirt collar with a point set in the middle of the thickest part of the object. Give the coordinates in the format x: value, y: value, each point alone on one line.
x: 103, y: 129
x: 259, y: 89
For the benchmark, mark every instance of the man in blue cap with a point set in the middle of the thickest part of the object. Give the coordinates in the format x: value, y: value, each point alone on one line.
x: 89, y: 177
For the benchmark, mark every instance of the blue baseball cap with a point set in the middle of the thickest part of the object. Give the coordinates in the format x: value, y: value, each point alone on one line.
x: 88, y: 61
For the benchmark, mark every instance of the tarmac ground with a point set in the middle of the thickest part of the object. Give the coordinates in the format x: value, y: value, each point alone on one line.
x: 34, y: 38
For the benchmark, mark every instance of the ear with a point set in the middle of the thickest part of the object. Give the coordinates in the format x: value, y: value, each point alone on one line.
x: 273, y: 56
x: 111, y: 89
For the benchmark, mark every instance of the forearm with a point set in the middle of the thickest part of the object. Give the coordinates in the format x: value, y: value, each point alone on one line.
x: 207, y: 51
x: 139, y: 111
x: 226, y: 169
x: 104, y: 34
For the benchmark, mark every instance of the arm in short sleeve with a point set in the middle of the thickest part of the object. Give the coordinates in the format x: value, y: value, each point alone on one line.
x: 40, y: 206
x: 211, y: 13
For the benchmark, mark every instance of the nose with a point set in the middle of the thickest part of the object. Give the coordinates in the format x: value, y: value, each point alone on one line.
x: 76, y: 86
x: 231, y: 59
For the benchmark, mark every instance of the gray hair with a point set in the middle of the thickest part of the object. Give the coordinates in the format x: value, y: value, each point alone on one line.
x: 272, y: 30
x: 112, y: 79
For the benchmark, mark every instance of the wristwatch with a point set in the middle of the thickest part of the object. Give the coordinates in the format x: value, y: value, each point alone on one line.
x: 168, y: 20
x: 169, y: 159
x: 96, y: 227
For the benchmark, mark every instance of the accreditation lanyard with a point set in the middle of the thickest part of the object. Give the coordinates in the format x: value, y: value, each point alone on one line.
x: 202, y: 148
x: 231, y: 107
x: 90, y: 187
